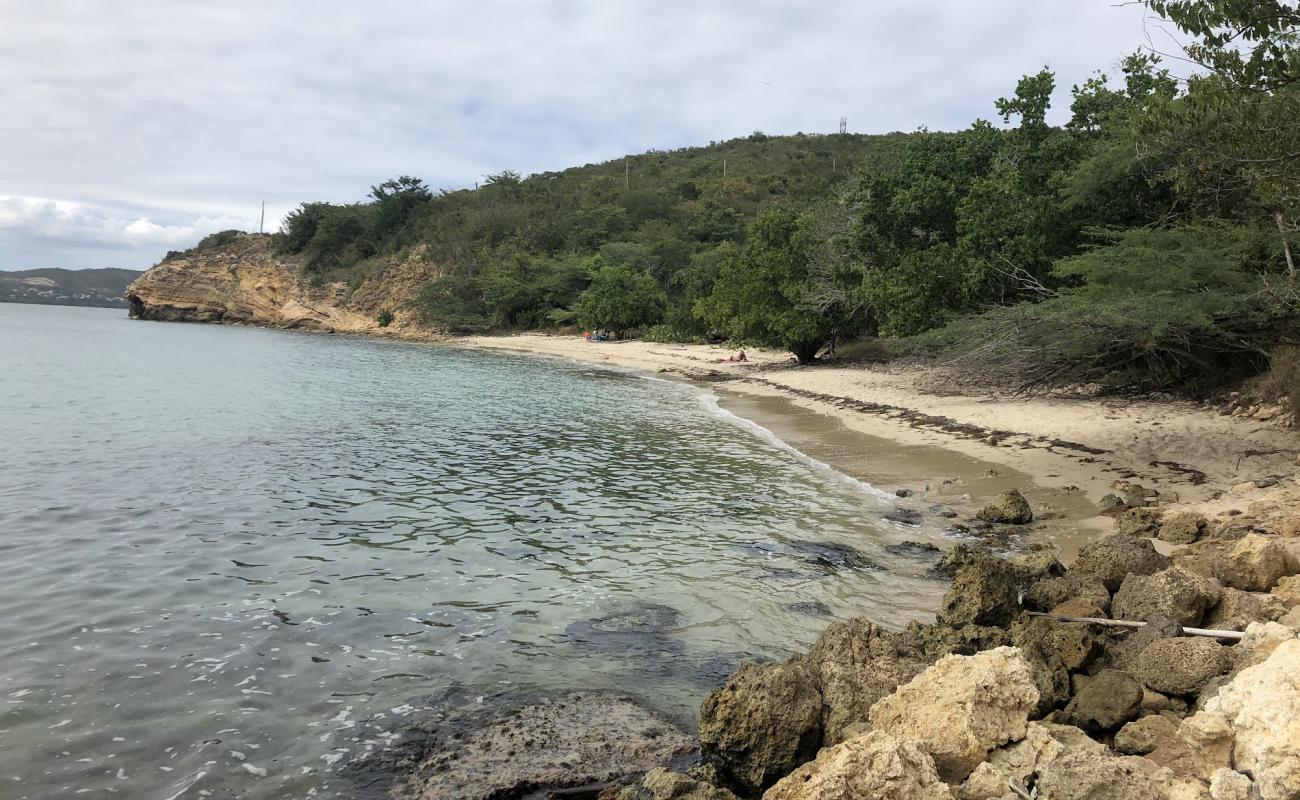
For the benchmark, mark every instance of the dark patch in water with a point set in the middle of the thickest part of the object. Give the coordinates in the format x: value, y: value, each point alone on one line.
x: 832, y: 555
x: 903, y: 516
x: 912, y: 549
x: 813, y: 608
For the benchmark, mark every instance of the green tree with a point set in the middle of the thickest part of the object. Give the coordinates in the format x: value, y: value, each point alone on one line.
x: 619, y: 299
x: 762, y: 290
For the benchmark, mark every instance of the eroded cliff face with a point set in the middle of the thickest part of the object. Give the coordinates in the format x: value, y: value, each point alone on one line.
x: 246, y: 282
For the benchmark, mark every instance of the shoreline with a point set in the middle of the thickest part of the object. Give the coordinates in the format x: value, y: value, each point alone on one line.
x: 1062, y: 447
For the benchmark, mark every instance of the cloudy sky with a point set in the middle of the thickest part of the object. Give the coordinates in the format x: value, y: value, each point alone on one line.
x: 133, y: 127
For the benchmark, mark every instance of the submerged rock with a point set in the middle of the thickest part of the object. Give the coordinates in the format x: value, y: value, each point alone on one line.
x: 554, y: 743
x: 832, y: 555
x: 961, y: 708
x: 876, y: 765
x: 1009, y: 507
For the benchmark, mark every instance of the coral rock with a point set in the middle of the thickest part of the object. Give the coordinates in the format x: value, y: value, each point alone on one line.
x: 1175, y: 593
x: 1182, y: 665
x: 1112, y: 559
x: 1009, y: 507
x: 876, y: 765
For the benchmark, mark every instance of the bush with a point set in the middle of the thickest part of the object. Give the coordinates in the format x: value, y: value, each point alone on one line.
x: 385, y: 318
x: 1283, y: 378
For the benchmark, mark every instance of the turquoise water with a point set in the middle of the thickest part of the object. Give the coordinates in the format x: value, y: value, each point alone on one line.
x: 232, y: 558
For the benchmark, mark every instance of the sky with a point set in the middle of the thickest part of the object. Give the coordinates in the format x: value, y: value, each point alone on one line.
x: 134, y: 127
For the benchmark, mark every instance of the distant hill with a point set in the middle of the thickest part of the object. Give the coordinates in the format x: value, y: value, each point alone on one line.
x: 67, y: 287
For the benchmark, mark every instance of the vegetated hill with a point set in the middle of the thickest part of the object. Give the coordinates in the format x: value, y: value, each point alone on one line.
x: 67, y: 287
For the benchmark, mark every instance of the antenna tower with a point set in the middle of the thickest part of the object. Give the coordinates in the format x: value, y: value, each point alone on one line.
x: 844, y: 124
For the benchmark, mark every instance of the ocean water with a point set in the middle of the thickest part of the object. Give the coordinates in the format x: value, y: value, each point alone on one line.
x: 233, y: 560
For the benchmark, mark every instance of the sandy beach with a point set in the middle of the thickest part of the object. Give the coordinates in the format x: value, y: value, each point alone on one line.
x: 1081, y: 445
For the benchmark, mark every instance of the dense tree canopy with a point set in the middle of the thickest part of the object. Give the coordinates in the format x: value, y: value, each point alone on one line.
x: 1149, y: 241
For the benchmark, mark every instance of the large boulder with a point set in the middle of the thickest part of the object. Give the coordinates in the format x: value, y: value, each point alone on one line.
x: 985, y: 591
x: 1139, y: 522
x: 1105, y: 702
x: 1255, y: 563
x: 1256, y: 720
x: 1182, y: 665
x: 1175, y: 593
x: 856, y: 663
x: 875, y: 765
x: 764, y: 721
x: 663, y: 784
x: 1009, y: 507
x: 1181, y: 527
x: 1022, y: 760
x: 1051, y: 593
x: 1141, y: 736
x: 1116, y: 557
x: 1288, y: 589
x: 1086, y: 775
x: 962, y: 707
x: 1073, y: 643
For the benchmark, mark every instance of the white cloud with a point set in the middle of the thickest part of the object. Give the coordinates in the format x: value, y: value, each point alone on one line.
x: 73, y: 222
x: 153, y: 115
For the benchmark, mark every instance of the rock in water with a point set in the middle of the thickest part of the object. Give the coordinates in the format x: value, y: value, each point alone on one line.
x: 554, y: 743
x: 1113, y: 558
x: 875, y: 765
x: 765, y: 721
x: 1009, y: 507
x: 961, y: 708
x: 1175, y: 593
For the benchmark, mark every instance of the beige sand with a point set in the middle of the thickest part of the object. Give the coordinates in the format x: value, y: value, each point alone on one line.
x: 1171, y: 445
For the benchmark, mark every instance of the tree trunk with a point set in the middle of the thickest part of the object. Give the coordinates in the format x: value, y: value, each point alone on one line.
x: 805, y: 352
x: 1286, y: 246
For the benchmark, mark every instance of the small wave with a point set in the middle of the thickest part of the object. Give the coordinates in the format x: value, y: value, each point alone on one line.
x: 709, y: 401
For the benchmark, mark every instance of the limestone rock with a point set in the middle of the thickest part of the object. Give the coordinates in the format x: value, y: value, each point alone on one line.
x: 662, y: 784
x: 876, y: 766
x: 1123, y: 648
x: 1175, y: 593
x: 1105, y: 702
x: 984, y: 592
x: 1227, y: 784
x: 1155, y: 703
x: 1288, y: 589
x: 574, y: 740
x: 1086, y: 775
x: 1112, y: 559
x: 1181, y: 527
x: 1259, y: 641
x: 1141, y: 736
x: 933, y: 641
x: 1021, y: 760
x: 1237, y: 609
x: 856, y: 664
x: 1074, y: 644
x: 1181, y: 665
x: 1051, y: 593
x: 765, y: 721
x: 962, y: 707
x: 1139, y: 522
x: 1009, y: 507
x: 1255, y: 563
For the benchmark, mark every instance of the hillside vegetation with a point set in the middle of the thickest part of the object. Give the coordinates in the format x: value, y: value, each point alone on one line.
x: 1149, y: 242
x: 67, y: 287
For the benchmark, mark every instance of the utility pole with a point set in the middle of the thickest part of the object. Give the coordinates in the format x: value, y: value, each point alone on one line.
x: 261, y: 223
x: 626, y: 174
x: 724, y: 168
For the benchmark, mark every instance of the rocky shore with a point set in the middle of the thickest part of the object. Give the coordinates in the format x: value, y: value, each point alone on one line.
x: 1002, y: 697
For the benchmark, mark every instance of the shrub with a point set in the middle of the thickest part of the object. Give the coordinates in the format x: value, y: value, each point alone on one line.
x: 385, y: 318
x: 1283, y: 378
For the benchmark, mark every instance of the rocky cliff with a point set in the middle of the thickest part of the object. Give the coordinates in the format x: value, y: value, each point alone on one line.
x: 244, y: 281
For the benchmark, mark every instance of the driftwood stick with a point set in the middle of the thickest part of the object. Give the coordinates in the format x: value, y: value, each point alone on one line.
x: 1124, y: 623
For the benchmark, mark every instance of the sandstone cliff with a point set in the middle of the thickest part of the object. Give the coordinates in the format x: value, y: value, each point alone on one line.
x: 246, y: 282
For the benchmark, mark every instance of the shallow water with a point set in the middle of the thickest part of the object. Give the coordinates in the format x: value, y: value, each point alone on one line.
x: 232, y: 556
